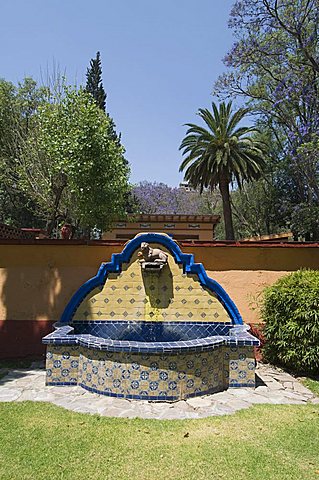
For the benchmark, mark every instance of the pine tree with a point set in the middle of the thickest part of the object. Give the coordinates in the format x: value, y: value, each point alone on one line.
x: 95, y: 87
x: 94, y: 83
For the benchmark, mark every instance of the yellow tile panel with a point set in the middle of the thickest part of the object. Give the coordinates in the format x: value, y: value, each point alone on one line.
x: 172, y: 295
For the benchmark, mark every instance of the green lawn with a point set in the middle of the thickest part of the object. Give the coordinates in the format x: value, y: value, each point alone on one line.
x: 42, y: 441
x: 312, y: 384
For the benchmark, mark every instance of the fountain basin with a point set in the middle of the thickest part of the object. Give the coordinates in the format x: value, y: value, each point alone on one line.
x: 158, y: 361
x: 163, y: 335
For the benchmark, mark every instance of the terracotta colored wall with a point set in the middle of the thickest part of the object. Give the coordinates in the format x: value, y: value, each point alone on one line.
x: 38, y: 279
x: 244, y: 271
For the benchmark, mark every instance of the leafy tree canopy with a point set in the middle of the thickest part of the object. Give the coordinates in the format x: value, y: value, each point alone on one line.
x: 274, y: 66
x: 18, y: 106
x: 70, y: 167
x: 58, y: 160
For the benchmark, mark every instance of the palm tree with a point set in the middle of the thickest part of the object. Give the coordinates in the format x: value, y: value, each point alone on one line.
x: 221, y: 153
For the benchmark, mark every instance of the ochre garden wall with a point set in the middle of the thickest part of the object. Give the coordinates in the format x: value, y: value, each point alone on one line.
x: 37, y: 279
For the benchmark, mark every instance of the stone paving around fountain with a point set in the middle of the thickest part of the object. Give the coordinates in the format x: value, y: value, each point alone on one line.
x: 274, y: 386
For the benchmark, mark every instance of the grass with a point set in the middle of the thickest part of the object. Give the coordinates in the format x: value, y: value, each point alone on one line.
x: 312, y: 384
x: 40, y: 441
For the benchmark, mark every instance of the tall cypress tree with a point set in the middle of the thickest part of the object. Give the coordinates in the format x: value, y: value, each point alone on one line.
x: 95, y: 87
x: 94, y: 83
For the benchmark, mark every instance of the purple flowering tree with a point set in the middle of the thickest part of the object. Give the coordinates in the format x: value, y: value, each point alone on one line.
x: 274, y: 66
x: 153, y: 197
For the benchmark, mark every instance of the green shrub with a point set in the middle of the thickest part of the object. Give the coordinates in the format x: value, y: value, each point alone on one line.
x: 290, y: 311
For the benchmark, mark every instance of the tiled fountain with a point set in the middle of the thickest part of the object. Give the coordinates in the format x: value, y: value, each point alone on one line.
x: 151, y: 325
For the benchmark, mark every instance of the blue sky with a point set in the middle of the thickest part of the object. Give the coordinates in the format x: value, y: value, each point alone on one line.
x: 159, y: 59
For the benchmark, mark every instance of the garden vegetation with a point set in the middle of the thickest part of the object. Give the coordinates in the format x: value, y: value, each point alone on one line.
x: 291, y: 315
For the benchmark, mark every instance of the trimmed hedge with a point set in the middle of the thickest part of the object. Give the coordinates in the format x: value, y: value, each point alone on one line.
x: 290, y: 311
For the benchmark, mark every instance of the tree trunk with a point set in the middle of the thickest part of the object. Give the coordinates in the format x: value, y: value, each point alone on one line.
x: 228, y: 221
x: 58, y: 185
x: 51, y: 222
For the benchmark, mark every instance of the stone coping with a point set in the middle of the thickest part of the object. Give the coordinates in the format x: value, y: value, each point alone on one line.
x: 64, y: 336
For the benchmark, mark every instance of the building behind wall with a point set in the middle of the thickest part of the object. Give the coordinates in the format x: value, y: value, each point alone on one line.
x: 180, y: 227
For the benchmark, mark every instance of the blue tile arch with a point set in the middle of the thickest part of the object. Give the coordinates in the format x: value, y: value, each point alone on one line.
x: 115, y: 266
